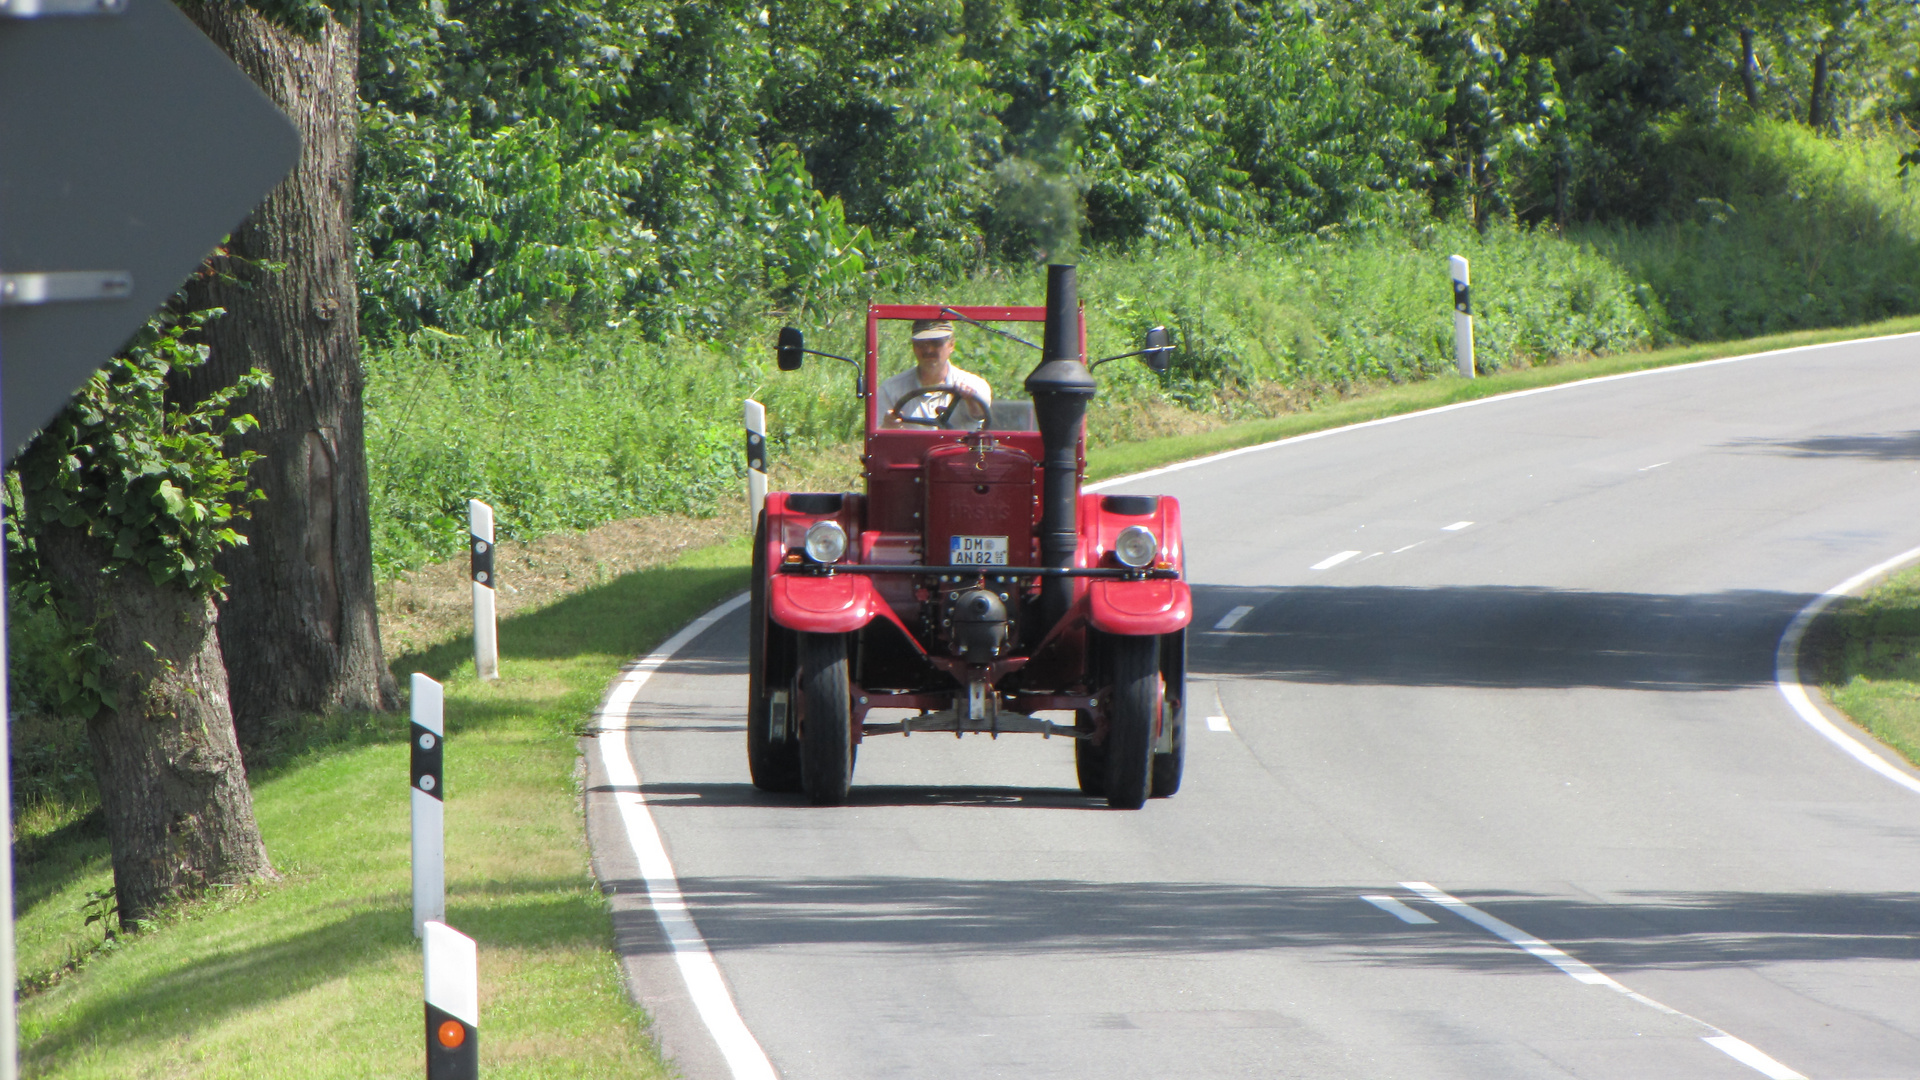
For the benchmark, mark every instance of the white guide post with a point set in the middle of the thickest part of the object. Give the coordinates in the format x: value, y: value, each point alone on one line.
x: 756, y: 420
x: 1462, y: 317
x: 486, y: 649
x: 426, y: 761
x: 453, y: 1004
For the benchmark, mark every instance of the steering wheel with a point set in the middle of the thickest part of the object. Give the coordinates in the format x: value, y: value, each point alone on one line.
x: 957, y: 393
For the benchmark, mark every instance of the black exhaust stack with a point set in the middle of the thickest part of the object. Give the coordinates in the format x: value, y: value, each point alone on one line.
x: 1060, y: 387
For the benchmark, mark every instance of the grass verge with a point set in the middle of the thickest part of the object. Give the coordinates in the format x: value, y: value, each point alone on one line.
x: 1865, y: 653
x: 1120, y: 459
x: 318, y: 974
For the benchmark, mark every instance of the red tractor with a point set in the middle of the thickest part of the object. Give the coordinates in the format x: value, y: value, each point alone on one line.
x: 972, y: 584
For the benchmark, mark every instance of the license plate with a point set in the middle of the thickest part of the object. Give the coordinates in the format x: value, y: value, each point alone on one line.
x: 978, y: 551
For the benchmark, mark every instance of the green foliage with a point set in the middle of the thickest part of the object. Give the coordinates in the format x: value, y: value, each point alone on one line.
x: 1769, y: 227
x: 150, y: 481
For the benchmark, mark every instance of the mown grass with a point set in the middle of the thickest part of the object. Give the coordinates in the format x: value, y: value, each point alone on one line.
x: 318, y: 974
x: 1865, y: 653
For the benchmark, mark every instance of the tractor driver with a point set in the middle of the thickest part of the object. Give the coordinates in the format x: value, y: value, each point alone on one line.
x: 932, y: 354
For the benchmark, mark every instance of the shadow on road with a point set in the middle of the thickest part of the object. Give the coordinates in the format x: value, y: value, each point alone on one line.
x: 1695, y: 930
x: 1493, y: 636
x: 1896, y: 446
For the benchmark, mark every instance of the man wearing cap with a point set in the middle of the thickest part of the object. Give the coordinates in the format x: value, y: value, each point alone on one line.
x: 932, y: 353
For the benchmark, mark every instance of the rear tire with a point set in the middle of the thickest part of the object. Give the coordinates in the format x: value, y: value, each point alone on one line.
x: 1167, y: 767
x: 1134, y: 664
x: 826, y: 730
x: 774, y: 766
x: 1089, y: 758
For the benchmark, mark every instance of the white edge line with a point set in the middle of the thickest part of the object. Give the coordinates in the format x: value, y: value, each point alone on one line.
x: 1399, y: 910
x: 1741, y: 1051
x: 1786, y: 673
x: 1746, y: 1054
x: 745, y: 1057
x: 1696, y: 365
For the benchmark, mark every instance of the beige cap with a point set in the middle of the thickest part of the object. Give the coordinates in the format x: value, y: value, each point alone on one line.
x: 932, y: 329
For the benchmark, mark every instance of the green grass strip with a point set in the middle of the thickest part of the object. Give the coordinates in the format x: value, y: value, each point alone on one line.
x: 318, y: 975
x: 1865, y: 653
x: 1125, y: 458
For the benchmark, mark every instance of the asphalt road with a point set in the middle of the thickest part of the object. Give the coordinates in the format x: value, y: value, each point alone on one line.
x: 1506, y: 791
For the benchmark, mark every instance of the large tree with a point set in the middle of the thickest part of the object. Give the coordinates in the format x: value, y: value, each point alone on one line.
x: 128, y: 500
x: 298, y: 627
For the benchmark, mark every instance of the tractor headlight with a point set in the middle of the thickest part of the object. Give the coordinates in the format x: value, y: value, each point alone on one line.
x: 1135, y: 546
x: 826, y: 542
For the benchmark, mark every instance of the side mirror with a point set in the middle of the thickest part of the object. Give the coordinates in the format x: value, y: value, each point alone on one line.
x: 1159, y: 351
x: 792, y: 349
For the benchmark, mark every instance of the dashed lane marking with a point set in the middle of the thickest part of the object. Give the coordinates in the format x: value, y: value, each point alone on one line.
x: 1738, y: 1050
x: 1218, y: 723
x: 1456, y: 526
x: 1399, y: 910
x: 1332, y: 561
x: 1232, y: 618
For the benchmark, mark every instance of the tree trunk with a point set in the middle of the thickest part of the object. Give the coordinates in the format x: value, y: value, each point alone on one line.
x: 172, y: 785
x: 1749, y: 73
x: 1817, y: 96
x: 299, y: 628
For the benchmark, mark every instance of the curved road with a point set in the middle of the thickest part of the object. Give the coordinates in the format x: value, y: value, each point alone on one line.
x: 1498, y: 784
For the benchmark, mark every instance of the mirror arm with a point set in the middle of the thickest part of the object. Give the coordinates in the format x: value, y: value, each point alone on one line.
x: 1124, y: 355
x: 830, y: 356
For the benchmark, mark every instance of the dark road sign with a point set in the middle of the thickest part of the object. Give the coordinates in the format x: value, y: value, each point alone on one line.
x: 129, y: 146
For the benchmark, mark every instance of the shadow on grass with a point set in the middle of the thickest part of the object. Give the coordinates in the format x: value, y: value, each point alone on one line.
x: 191, y: 997
x: 624, y: 617
x: 45, y: 865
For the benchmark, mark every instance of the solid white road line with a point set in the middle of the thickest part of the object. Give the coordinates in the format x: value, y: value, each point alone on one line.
x: 1745, y: 1054
x: 1232, y: 618
x: 1398, y: 910
x: 1456, y: 526
x: 1786, y: 673
x: 1332, y: 561
x: 709, y: 991
x: 1476, y: 403
x: 1218, y: 723
x: 1740, y: 1051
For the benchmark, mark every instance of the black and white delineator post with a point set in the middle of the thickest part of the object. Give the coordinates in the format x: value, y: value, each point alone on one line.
x: 453, y: 1004
x: 756, y: 423
x: 426, y: 762
x: 486, y: 648
x: 1462, y: 317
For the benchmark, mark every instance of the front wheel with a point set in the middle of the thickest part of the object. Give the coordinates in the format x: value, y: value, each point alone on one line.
x: 1089, y: 758
x: 1134, y: 664
x: 1170, y: 756
x: 773, y: 755
x: 826, y: 726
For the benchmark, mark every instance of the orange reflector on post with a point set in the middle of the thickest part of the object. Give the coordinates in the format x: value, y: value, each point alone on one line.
x: 452, y: 1034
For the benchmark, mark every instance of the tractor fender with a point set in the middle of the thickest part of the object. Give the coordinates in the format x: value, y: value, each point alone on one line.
x: 1157, y: 606
x: 818, y: 603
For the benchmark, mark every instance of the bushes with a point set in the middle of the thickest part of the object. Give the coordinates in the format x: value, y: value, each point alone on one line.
x: 1770, y: 227
x: 570, y: 431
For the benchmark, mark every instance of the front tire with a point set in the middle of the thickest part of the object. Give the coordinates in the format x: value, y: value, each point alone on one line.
x: 1134, y: 664
x: 774, y: 765
x: 1168, y: 766
x: 826, y: 726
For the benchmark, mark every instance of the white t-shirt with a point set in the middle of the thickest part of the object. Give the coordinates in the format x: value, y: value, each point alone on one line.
x: 928, y: 406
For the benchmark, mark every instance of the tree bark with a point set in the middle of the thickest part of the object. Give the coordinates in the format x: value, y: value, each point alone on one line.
x: 1749, y: 73
x: 172, y: 785
x: 298, y: 627
x: 1817, y: 95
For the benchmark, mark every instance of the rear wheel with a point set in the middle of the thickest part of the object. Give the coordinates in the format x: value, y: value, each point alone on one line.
x: 1134, y: 665
x: 826, y: 730
x: 1170, y: 762
x: 773, y: 756
x: 1089, y: 757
